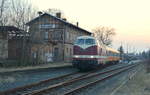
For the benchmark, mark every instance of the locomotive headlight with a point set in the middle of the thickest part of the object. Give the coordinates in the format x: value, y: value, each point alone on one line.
x: 76, y: 56
x: 92, y: 56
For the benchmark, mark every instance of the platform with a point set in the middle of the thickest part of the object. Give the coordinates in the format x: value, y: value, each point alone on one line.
x: 41, y: 66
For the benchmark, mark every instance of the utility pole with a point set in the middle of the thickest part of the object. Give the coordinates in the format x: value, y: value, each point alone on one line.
x: 64, y: 42
x: 127, y: 49
x: 127, y: 56
x: 38, y: 51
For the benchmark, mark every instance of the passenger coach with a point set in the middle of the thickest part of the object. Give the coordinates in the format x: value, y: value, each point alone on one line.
x: 89, y: 53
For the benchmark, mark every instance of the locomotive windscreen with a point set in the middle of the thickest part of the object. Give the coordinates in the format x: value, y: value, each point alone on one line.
x: 89, y: 41
x: 85, y: 41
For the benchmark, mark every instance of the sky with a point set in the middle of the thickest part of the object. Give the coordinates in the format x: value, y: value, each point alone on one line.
x: 130, y: 18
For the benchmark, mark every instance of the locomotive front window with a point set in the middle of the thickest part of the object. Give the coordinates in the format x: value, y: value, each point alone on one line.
x: 80, y: 41
x: 89, y: 41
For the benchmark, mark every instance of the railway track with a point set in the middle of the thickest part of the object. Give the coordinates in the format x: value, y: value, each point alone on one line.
x: 70, y: 87
x: 79, y: 88
x: 76, y: 84
x: 65, y: 84
x: 44, y: 83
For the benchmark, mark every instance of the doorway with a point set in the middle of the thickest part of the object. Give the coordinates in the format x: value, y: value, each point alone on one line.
x: 56, y: 53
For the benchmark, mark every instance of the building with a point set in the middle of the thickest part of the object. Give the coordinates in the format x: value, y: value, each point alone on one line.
x: 11, y: 43
x: 3, y: 43
x: 52, y: 37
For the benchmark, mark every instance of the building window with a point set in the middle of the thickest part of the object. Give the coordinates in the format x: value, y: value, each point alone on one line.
x: 46, y: 35
x: 47, y: 26
x: 57, y: 35
x: 34, y: 55
x: 67, y: 35
x: 70, y: 51
x: 67, y: 50
x: 70, y: 36
x: 73, y: 37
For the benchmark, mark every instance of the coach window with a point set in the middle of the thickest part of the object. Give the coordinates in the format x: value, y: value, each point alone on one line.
x: 113, y: 54
x: 118, y: 54
x: 107, y: 53
x: 110, y: 53
x: 101, y: 51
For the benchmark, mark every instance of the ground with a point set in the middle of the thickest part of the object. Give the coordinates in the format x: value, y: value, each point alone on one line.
x: 138, y: 85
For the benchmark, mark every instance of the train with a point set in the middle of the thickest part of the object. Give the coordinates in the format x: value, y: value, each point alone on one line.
x: 89, y: 53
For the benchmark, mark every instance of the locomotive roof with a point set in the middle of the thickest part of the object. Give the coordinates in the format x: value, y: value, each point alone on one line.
x: 85, y: 37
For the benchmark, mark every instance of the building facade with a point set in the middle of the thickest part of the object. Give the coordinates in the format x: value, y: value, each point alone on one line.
x: 51, y: 38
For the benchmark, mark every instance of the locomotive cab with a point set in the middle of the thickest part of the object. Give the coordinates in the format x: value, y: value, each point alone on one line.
x: 84, y: 52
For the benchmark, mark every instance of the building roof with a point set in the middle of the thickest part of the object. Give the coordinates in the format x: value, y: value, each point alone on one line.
x: 63, y: 21
x: 9, y: 28
x: 13, y: 30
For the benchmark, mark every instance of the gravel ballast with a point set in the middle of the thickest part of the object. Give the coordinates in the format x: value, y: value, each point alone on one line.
x: 138, y: 85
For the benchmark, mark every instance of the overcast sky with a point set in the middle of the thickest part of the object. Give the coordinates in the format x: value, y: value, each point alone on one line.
x: 130, y: 18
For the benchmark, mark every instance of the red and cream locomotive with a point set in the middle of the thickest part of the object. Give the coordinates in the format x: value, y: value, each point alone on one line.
x: 89, y: 53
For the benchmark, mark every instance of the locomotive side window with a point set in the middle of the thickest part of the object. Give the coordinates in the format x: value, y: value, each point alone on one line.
x: 100, y: 51
x: 118, y: 55
x: 110, y: 53
x: 89, y: 41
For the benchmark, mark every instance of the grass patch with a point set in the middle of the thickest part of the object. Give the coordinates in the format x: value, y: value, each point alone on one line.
x: 147, y: 65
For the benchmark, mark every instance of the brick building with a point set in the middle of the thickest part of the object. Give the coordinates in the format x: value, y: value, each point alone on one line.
x: 52, y: 37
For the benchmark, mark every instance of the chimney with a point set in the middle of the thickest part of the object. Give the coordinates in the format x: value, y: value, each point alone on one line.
x: 64, y: 19
x: 40, y: 13
x: 77, y: 24
x: 58, y: 14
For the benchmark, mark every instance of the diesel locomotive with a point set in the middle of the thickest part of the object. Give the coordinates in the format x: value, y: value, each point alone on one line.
x: 89, y: 53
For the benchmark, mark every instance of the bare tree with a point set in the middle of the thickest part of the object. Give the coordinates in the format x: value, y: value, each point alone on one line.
x: 104, y: 34
x: 4, y: 12
x: 16, y: 13
x: 21, y: 12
